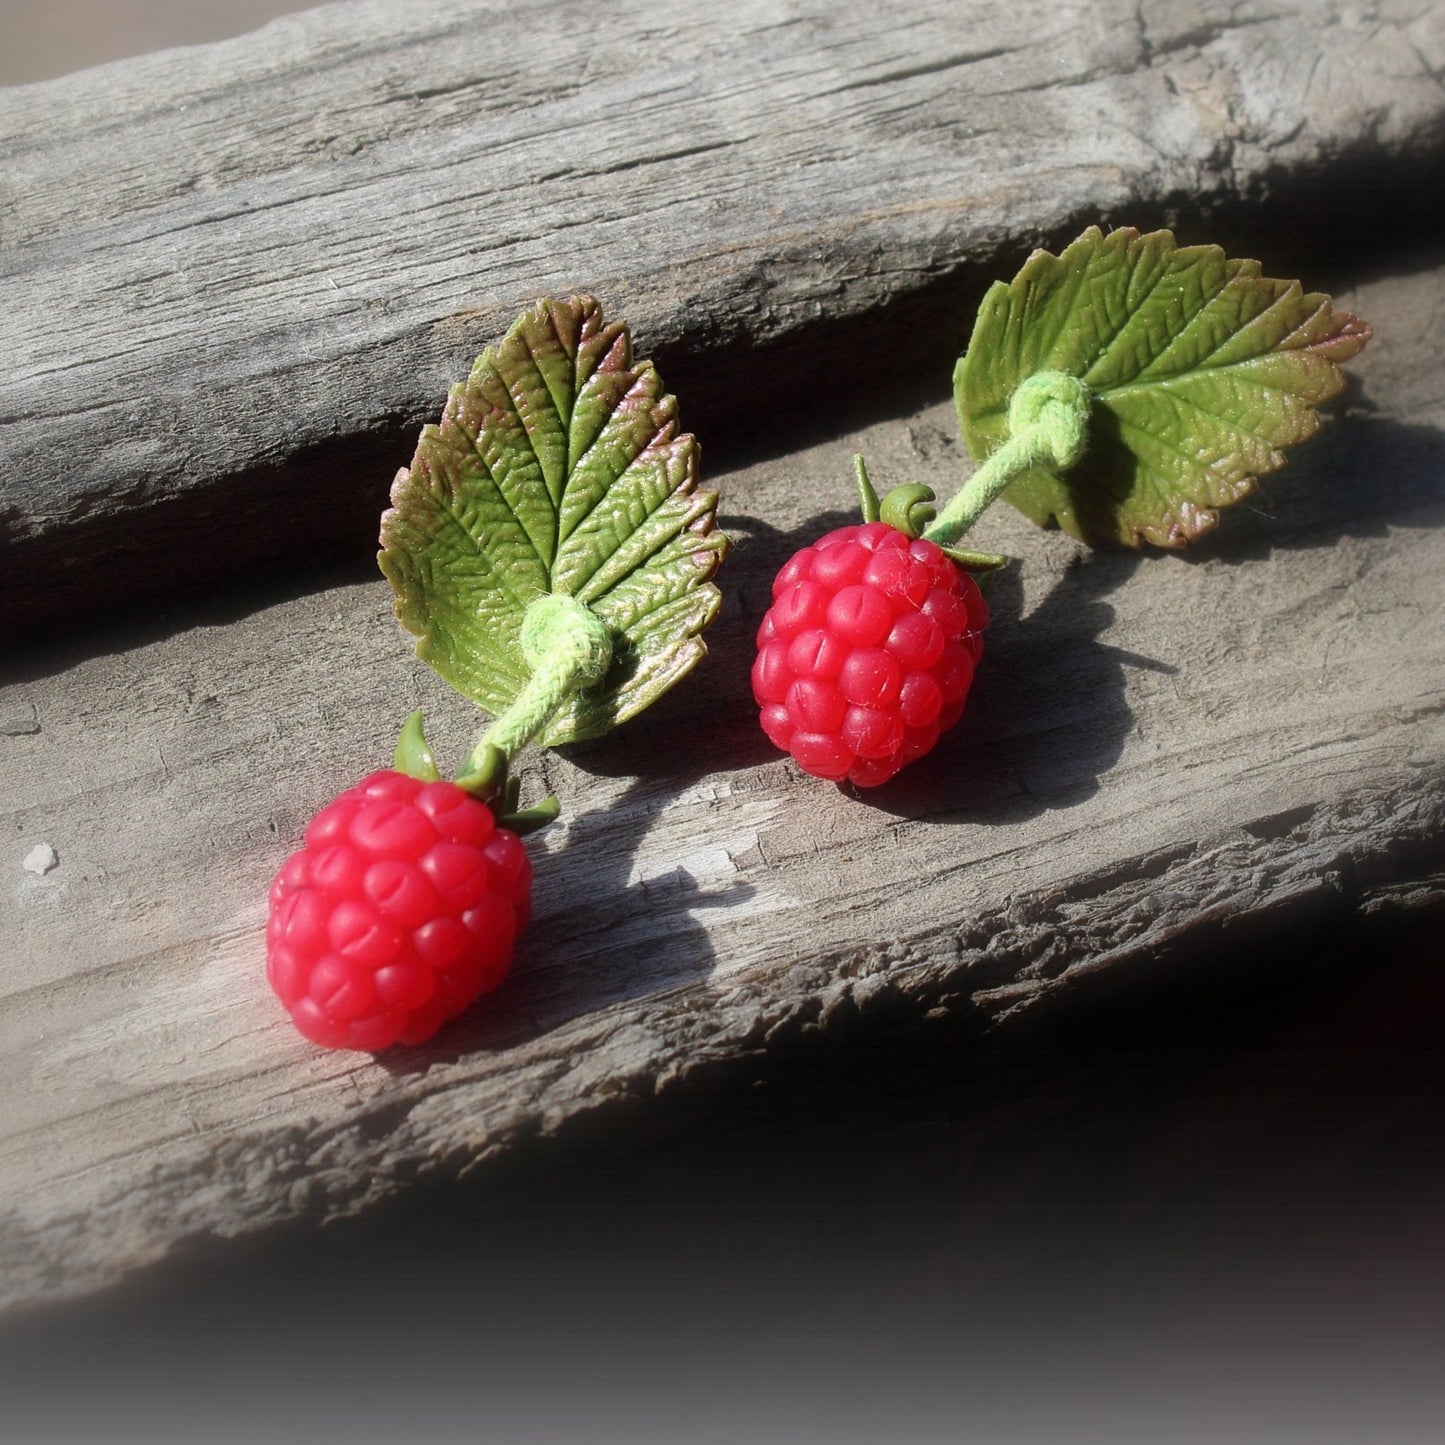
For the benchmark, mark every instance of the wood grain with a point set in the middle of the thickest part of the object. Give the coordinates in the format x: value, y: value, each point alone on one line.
x: 237, y: 277
x: 1164, y: 756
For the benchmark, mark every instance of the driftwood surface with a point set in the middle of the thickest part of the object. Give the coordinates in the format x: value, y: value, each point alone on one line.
x: 1164, y: 754
x: 237, y: 277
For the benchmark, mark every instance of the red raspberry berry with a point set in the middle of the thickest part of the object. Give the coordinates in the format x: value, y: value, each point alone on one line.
x: 399, y: 911
x: 867, y: 652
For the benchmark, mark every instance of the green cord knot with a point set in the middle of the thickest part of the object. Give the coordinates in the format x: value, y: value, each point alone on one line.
x: 568, y: 648
x: 560, y: 632
x: 1053, y: 407
x: 1048, y: 419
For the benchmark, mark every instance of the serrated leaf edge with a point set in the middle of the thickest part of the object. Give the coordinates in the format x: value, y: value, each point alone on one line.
x: 618, y: 697
x: 1188, y: 520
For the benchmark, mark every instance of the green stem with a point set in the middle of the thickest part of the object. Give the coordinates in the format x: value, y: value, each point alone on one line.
x: 1048, y: 420
x: 568, y: 648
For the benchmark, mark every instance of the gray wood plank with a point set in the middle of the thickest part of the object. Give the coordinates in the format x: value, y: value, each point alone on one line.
x: 1163, y: 755
x: 236, y: 277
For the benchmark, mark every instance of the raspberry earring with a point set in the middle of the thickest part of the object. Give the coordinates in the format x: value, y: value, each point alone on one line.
x: 401, y: 908
x: 1124, y: 391
x: 553, y: 553
x: 868, y: 650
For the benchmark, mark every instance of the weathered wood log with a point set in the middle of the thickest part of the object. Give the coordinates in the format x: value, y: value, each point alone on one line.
x: 237, y: 277
x: 1164, y: 755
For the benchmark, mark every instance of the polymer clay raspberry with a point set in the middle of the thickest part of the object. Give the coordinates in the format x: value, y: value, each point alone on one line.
x: 867, y: 653
x: 554, y: 563
x: 1124, y: 391
x: 400, y: 910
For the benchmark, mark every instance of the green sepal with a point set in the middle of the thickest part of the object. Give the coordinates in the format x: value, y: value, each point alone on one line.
x: 908, y: 509
x: 867, y: 494
x: 529, y: 820
x: 511, y: 794
x: 1200, y: 370
x: 486, y: 775
x: 975, y: 561
x: 489, y: 780
x: 557, y: 467
x: 413, y: 755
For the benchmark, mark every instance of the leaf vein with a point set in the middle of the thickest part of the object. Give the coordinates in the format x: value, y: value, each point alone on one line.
x: 476, y: 451
x: 1233, y: 335
x: 1140, y: 387
x: 479, y: 551
x: 1133, y: 315
x: 516, y: 408
x: 1231, y: 424
x: 1194, y: 466
x: 601, y: 497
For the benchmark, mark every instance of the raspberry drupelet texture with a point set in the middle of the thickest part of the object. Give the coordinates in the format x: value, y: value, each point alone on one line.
x: 867, y: 652
x: 401, y: 908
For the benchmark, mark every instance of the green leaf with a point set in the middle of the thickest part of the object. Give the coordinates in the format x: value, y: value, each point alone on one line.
x: 1201, y: 368
x: 557, y: 467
